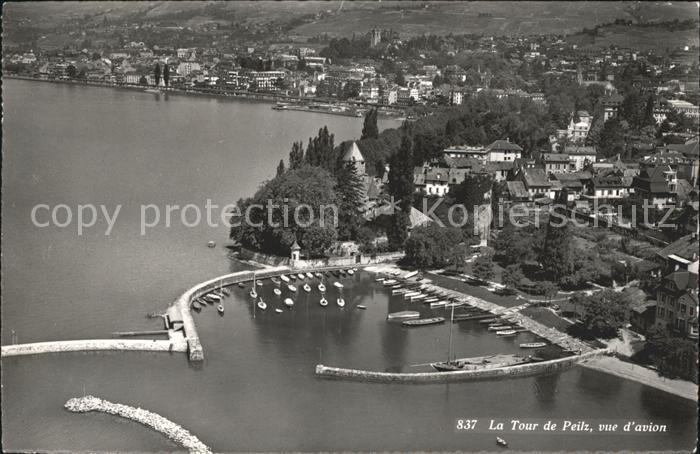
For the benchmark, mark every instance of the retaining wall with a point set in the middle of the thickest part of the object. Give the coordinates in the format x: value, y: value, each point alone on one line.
x: 545, y: 367
x: 94, y: 345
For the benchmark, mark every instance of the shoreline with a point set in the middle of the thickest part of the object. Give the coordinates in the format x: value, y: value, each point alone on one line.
x: 386, y: 112
x: 640, y: 374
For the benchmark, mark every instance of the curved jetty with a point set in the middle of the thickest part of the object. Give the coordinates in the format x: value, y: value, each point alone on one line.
x: 145, y: 417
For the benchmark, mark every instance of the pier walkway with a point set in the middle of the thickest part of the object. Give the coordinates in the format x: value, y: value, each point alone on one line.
x: 151, y: 345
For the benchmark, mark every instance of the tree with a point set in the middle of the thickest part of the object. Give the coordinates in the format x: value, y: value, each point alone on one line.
x: 612, y: 138
x: 472, y: 191
x: 483, y: 267
x: 280, y: 167
x: 166, y: 75
x: 296, y: 156
x: 303, y: 198
x: 349, y: 190
x: 556, y: 257
x: 156, y: 74
x: 401, y: 174
x: 431, y: 246
x: 369, y: 128
x: 512, y: 275
x: 400, y: 80
x: 71, y: 71
x: 604, y: 313
x: 398, y: 230
x: 673, y: 356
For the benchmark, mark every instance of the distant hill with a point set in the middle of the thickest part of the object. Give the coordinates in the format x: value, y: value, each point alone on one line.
x: 342, y: 18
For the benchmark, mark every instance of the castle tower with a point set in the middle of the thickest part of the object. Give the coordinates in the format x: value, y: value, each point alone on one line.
x: 353, y: 155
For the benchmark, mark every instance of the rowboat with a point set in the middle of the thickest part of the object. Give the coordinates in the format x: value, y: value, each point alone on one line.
x: 307, y: 288
x: 389, y: 282
x: 499, y: 327
x: 289, y: 302
x: 284, y: 278
x: 220, y: 308
x: 438, y: 304
x: 533, y: 345
x: 292, y: 288
x: 259, y: 283
x: 214, y: 296
x: 323, y: 302
x: 278, y: 310
x: 301, y: 276
x: 277, y: 291
x: 293, y: 277
x: 309, y: 275
x: 360, y: 306
x: 489, y: 320
x: 338, y: 284
x: 379, y: 279
x: 403, y: 315
x: 432, y: 299
x: 351, y: 272
x: 508, y: 332
x: 501, y: 442
x: 196, y: 306
x: 321, y: 288
x: 253, y: 293
x: 410, y: 294
x: 275, y: 280
x: 262, y: 305
x: 424, y: 321
x: 340, y: 302
x: 318, y: 275
x: 241, y: 284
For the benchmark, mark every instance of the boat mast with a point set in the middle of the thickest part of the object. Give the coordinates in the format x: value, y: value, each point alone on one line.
x: 449, y: 349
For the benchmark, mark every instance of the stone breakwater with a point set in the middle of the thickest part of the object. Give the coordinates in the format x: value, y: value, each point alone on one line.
x: 145, y: 417
x: 94, y: 345
x: 544, y: 367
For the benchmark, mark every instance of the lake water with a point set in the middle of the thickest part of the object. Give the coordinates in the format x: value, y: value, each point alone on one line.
x: 256, y: 390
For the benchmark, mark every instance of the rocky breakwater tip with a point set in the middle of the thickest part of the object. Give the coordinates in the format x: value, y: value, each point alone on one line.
x: 145, y: 417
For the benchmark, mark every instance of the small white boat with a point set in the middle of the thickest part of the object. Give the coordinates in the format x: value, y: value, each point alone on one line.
x: 292, y: 288
x: 253, y: 293
x: 318, y: 275
x: 351, y: 272
x: 309, y: 275
x: 259, y: 283
x: 278, y: 310
x: 360, y: 306
x: 211, y: 244
x: 301, y: 276
x: 307, y: 288
x: 389, y: 282
x: 262, y: 305
x: 323, y: 302
x: 284, y: 278
x: 277, y: 291
x: 507, y: 332
x: 289, y: 302
x: 321, y: 288
x: 501, y: 442
x: 338, y: 284
x: 438, y: 304
x: 533, y: 345
x: 379, y: 279
x: 220, y: 308
x: 215, y: 297
x: 340, y: 302
x: 403, y: 315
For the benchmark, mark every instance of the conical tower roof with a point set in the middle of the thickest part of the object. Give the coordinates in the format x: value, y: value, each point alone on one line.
x: 353, y: 154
